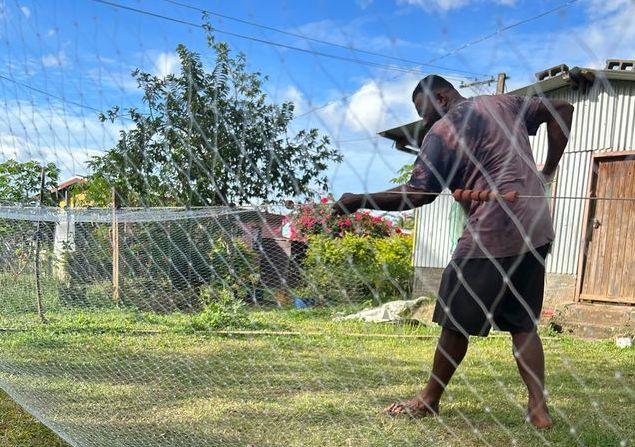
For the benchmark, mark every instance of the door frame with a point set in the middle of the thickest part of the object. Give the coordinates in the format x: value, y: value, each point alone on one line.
x: 596, y: 158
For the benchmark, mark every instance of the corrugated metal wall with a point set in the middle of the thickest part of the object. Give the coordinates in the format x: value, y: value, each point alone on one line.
x: 604, y: 120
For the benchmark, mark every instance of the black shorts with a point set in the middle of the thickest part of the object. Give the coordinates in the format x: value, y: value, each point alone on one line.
x: 506, y: 293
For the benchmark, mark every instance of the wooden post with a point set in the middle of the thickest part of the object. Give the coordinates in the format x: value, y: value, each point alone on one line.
x: 116, y: 283
x: 38, y: 237
x: 500, y: 83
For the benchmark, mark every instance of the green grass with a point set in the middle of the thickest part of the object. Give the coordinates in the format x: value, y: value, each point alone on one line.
x: 19, y: 429
x: 123, y: 378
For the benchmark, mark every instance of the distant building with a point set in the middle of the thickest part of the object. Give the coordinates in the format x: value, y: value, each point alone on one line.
x: 65, y: 194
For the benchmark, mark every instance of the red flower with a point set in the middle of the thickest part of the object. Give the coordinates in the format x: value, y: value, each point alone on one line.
x: 324, y: 200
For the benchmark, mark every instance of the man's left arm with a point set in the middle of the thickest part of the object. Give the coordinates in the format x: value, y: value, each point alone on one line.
x: 401, y: 198
x: 558, y: 116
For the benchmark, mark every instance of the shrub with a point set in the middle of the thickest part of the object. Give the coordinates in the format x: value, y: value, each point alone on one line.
x: 223, y: 310
x: 89, y: 295
x: 234, y: 266
x: 355, y: 268
x: 158, y: 294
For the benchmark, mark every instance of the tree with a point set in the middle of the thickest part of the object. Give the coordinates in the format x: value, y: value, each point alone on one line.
x: 210, y: 137
x: 403, y: 174
x: 20, y: 181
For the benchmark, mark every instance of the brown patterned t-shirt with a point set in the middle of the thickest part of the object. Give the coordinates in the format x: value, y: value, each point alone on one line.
x: 483, y: 143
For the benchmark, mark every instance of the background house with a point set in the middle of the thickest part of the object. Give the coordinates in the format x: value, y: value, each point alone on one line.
x: 593, y: 256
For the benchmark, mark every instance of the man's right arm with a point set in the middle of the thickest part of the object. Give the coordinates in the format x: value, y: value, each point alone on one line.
x: 432, y: 171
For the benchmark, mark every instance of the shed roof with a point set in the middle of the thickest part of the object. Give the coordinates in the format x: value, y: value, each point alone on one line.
x: 407, y: 137
x: 559, y: 81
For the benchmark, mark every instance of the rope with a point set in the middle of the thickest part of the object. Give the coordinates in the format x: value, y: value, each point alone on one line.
x: 521, y: 196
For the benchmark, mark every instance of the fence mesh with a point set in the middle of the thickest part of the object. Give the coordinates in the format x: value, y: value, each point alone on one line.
x: 172, y: 271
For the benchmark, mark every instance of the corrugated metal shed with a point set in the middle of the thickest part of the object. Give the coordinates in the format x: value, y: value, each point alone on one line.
x: 604, y: 120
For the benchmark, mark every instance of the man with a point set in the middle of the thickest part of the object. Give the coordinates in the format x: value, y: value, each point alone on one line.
x: 496, y: 276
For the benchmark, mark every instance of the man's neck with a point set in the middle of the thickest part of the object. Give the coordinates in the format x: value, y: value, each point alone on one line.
x: 455, y: 99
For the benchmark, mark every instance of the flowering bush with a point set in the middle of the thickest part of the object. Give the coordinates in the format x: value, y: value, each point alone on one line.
x: 354, y: 268
x: 317, y: 219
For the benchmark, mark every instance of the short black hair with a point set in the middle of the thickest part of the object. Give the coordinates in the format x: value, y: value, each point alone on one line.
x: 433, y: 83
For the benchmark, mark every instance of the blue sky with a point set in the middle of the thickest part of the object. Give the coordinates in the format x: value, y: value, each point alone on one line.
x: 76, y: 56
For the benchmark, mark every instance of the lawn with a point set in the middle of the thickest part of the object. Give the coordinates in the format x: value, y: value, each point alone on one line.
x: 19, y: 429
x: 121, y: 378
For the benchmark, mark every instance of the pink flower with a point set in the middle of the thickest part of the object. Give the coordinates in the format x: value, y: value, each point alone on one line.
x: 324, y: 200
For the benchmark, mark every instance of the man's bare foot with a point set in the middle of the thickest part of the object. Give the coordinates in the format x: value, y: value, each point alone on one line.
x: 418, y: 406
x: 538, y: 415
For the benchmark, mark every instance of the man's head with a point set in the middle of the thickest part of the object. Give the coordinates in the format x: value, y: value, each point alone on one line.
x: 433, y: 96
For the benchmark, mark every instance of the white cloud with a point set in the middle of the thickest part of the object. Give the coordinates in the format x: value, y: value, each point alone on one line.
x: 376, y: 105
x: 26, y: 11
x: 166, y: 63
x: 291, y: 93
x: 55, y: 60
x: 50, y: 133
x: 121, y: 81
x: 610, y: 33
x: 447, y: 5
x: 352, y: 34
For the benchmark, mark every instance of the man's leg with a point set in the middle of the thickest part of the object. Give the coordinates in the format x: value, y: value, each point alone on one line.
x: 530, y: 359
x: 450, y: 351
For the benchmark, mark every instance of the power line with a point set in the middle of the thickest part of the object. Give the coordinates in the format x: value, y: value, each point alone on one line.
x: 460, y: 48
x: 505, y: 28
x: 263, y: 41
x: 321, y: 41
x: 59, y: 98
x: 52, y: 95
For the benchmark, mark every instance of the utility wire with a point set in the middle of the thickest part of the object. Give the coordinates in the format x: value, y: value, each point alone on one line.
x: 320, y: 41
x: 263, y: 41
x: 52, y: 95
x: 459, y: 48
x: 505, y: 28
x: 59, y: 98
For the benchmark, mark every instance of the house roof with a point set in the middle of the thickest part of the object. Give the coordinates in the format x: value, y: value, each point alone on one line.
x: 68, y: 183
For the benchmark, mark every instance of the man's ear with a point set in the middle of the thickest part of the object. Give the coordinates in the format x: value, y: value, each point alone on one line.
x: 441, y: 99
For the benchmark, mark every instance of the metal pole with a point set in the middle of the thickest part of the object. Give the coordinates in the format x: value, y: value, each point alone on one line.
x: 38, y: 236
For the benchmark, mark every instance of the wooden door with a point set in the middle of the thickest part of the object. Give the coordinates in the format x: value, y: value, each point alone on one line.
x: 608, y: 265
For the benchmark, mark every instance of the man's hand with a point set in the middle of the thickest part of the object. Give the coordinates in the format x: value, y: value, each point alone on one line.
x: 546, y: 177
x: 347, y: 204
